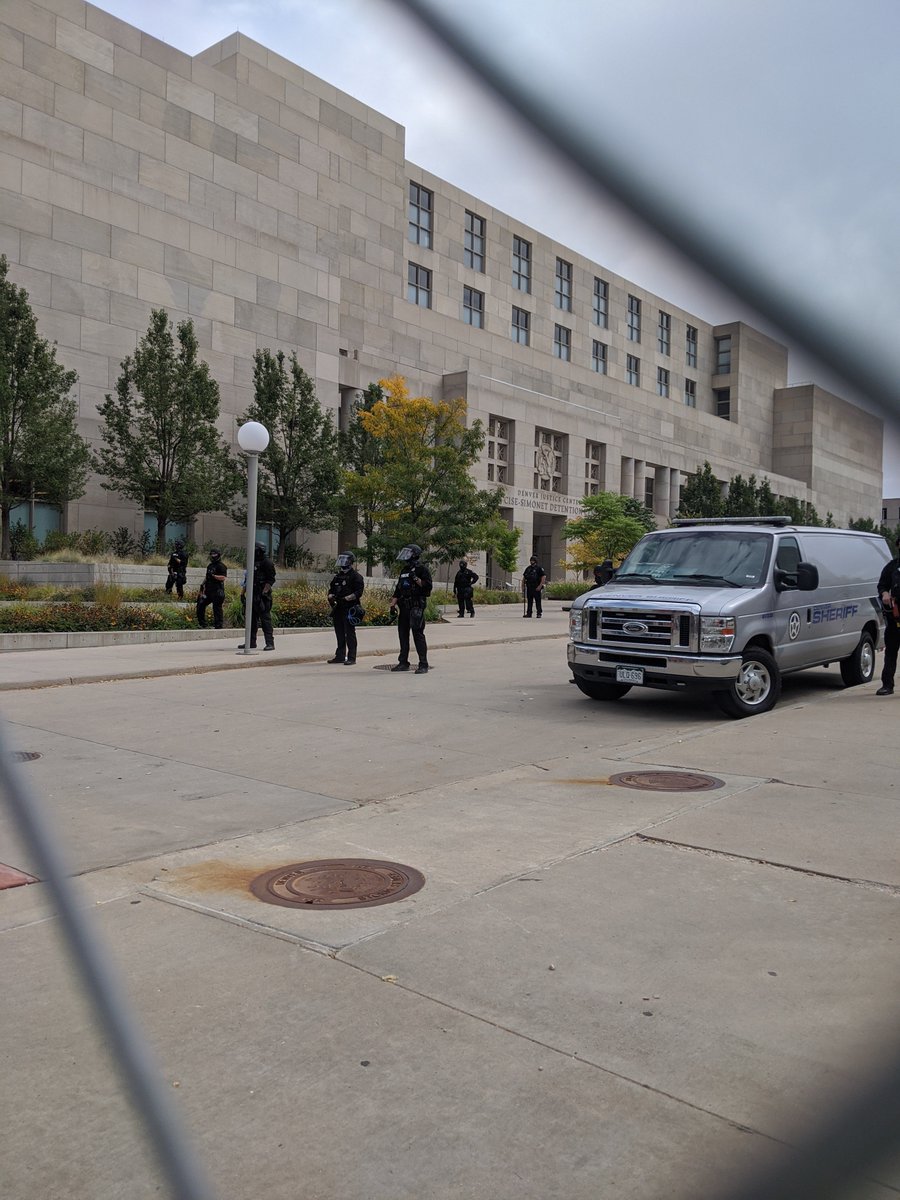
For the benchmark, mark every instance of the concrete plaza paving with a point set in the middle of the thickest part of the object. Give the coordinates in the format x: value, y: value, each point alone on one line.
x: 599, y: 992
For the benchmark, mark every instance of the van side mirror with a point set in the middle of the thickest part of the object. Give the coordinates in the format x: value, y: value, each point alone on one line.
x: 807, y: 577
x: 804, y: 579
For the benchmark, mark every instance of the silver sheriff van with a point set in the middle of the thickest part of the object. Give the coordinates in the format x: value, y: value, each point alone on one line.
x: 731, y: 605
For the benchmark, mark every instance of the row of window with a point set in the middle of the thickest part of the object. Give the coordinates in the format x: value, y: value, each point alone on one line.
x: 421, y: 221
x: 419, y: 291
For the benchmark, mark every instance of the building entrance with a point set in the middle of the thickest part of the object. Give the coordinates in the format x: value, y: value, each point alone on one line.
x: 548, y: 544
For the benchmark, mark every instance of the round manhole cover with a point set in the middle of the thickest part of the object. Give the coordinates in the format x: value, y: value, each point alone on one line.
x: 24, y: 755
x: 337, y: 883
x: 667, y: 781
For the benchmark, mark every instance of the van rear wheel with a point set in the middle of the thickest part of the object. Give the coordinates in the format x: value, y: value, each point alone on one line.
x: 757, y: 687
x: 859, y: 667
x: 602, y: 691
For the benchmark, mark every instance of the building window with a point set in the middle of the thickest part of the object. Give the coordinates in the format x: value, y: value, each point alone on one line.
x: 634, y: 319
x: 662, y: 381
x: 598, y: 357
x: 690, y: 345
x: 633, y: 370
x: 884, y: 514
x: 563, y: 293
x: 723, y: 355
x: 473, y: 250
x: 664, y: 333
x: 601, y: 303
x: 499, y: 441
x: 649, y: 491
x: 690, y: 393
x: 594, y: 463
x: 723, y: 403
x: 521, y: 261
x: 548, y: 460
x: 473, y: 307
x: 521, y: 326
x: 418, y: 285
x: 562, y: 342
x: 421, y: 210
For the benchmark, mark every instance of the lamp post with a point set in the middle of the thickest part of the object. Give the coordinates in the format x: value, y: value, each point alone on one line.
x: 252, y: 439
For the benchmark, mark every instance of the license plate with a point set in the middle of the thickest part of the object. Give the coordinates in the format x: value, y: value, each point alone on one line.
x: 629, y: 674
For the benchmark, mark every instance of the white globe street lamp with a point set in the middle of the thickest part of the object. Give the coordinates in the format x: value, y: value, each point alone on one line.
x: 253, y: 439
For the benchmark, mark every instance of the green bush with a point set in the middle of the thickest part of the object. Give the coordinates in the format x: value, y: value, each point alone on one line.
x: 567, y: 589
x: 480, y: 596
x: 12, y: 589
x: 77, y: 618
x: 23, y: 545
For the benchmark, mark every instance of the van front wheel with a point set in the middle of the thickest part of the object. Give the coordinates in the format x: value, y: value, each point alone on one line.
x: 859, y: 667
x: 756, y: 688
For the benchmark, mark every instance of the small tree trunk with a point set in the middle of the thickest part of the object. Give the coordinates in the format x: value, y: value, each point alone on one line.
x: 5, y: 546
x: 161, y: 522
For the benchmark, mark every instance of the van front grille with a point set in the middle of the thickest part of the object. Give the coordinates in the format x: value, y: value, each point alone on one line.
x: 632, y: 628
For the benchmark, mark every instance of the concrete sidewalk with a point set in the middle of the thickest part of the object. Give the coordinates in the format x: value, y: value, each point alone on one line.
x: 602, y: 992
x: 217, y: 650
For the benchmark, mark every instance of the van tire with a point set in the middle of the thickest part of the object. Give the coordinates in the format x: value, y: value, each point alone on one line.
x: 859, y: 667
x: 602, y: 691
x: 757, y: 687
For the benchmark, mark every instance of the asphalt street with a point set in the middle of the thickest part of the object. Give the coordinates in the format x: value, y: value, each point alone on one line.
x: 600, y: 991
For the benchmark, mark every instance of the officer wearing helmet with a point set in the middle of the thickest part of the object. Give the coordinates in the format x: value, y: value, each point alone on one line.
x: 344, y: 594
x: 463, y: 588
x: 260, y: 612
x: 212, y: 591
x: 177, y: 568
x: 408, y: 601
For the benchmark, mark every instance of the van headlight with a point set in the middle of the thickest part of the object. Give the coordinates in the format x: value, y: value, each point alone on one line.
x: 575, y: 616
x: 716, y: 634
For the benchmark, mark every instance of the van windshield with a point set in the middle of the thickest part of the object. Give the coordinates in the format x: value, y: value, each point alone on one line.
x: 699, y: 558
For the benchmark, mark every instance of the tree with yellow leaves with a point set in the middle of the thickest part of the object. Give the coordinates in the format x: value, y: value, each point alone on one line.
x: 408, y: 478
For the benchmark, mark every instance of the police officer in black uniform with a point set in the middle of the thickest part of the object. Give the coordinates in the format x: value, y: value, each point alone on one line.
x: 260, y: 613
x: 534, y: 579
x: 344, y: 594
x: 887, y: 591
x: 177, y: 568
x: 408, y: 601
x: 463, y: 583
x: 212, y: 591
x: 603, y: 573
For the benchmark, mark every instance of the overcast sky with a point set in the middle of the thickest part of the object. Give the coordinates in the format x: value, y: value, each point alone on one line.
x: 776, y: 120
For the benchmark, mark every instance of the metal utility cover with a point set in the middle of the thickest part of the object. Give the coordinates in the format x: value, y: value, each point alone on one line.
x: 666, y: 781
x: 337, y: 883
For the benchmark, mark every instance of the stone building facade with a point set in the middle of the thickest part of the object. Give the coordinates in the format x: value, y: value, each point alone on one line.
x: 237, y: 189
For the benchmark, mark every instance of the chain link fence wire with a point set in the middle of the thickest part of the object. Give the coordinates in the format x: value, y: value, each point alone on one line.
x: 863, y: 1133
x: 140, y: 1073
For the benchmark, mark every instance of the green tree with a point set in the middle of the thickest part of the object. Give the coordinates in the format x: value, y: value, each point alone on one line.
x: 701, y: 495
x: 41, y: 452
x: 161, y: 447
x: 610, y: 526
x: 765, y: 499
x: 742, y: 499
x: 418, y: 485
x: 299, y: 474
x: 504, y: 545
x: 361, y: 454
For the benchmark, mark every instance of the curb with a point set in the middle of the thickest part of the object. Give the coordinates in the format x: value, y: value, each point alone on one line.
x: 292, y: 661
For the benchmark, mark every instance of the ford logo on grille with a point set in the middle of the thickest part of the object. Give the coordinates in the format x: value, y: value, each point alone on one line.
x: 635, y: 627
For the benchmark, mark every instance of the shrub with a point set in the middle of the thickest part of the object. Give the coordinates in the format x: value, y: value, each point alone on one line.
x: 75, y: 618
x: 23, y: 545
x: 12, y: 589
x: 567, y: 589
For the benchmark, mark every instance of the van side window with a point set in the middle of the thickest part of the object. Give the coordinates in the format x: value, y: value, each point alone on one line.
x: 788, y: 556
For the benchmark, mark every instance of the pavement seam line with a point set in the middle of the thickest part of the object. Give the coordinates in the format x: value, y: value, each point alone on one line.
x: 869, y: 884
x: 576, y: 1057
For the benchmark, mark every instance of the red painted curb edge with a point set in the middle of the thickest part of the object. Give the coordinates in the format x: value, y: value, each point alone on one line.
x: 10, y: 877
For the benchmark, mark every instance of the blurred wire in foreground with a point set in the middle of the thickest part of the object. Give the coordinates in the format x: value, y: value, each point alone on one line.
x: 141, y: 1074
x: 864, y: 1131
x: 598, y: 162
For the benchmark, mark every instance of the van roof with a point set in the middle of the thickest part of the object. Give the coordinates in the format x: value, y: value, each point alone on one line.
x: 779, y: 524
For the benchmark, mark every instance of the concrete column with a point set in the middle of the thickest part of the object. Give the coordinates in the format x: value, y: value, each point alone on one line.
x: 661, y: 491
x: 674, y: 491
x: 640, y: 471
x: 626, y: 477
